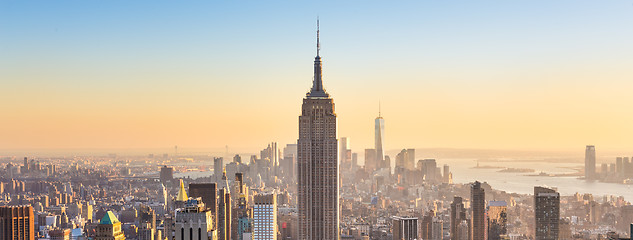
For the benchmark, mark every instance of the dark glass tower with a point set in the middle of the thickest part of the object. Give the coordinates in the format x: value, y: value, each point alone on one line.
x: 478, y: 205
x: 317, y: 166
x: 546, y: 213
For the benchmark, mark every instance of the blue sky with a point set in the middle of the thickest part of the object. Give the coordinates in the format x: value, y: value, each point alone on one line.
x: 226, y: 56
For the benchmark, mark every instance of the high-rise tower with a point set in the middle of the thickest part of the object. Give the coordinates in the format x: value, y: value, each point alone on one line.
x: 546, y: 213
x: 590, y: 162
x: 379, y: 138
x: 16, y: 222
x: 224, y: 209
x: 317, y: 166
x: 458, y: 214
x: 478, y: 206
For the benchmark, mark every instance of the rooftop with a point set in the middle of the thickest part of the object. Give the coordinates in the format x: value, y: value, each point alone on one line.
x: 109, y: 218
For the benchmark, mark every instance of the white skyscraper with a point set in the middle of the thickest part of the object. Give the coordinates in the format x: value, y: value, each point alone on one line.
x: 265, y: 217
x: 379, y: 139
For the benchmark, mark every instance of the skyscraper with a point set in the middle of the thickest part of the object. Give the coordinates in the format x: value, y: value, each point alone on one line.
x: 371, y: 164
x: 379, y: 137
x: 290, y: 159
x: 478, y: 206
x: 217, y: 168
x: 146, y: 220
x: 207, y: 192
x: 458, y: 214
x: 344, y: 152
x: 590, y: 162
x: 17, y: 222
x: 317, y: 162
x: 109, y: 228
x: 405, y: 228
x: 194, y: 222
x: 242, y: 224
x: 265, y: 217
x: 166, y: 174
x: 546, y: 213
x: 224, y: 209
x: 497, y: 219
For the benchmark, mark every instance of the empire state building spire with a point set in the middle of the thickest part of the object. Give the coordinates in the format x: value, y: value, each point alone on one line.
x: 317, y: 166
x: 317, y: 90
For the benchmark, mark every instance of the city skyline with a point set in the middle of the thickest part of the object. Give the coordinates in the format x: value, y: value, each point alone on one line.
x: 495, y: 102
x: 524, y: 83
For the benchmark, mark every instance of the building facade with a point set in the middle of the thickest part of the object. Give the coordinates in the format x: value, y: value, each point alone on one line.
x: 109, y: 228
x: 546, y: 213
x: 317, y: 165
x: 16, y: 223
x: 265, y: 217
x: 458, y: 215
x: 224, y: 210
x: 405, y: 228
x: 207, y: 192
x: 497, y: 219
x: 194, y: 222
x: 478, y: 206
x: 590, y: 162
x: 379, y: 137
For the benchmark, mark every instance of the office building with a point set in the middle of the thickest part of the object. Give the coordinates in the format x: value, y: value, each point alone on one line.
x: 401, y: 160
x: 426, y: 226
x: 59, y: 234
x: 437, y: 229
x: 109, y: 228
x: 205, y: 191
x: 478, y: 208
x: 290, y: 158
x: 265, y: 217
x: 371, y: 162
x: 410, y: 161
x: 166, y: 174
x: 224, y: 209
x: 404, y: 228
x: 446, y: 176
x: 17, y: 222
x: 379, y: 137
x: 458, y: 215
x: 590, y: 162
x: 429, y: 169
x: 344, y: 152
x: 546, y: 213
x: 194, y: 222
x: 497, y: 219
x: 218, y: 166
x: 242, y: 217
x: 318, y: 204
x: 146, y: 223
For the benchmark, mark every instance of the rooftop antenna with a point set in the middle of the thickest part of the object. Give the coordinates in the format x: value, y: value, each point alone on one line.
x: 379, y: 115
x: 318, y: 43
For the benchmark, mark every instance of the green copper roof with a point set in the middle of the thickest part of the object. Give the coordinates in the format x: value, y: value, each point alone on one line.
x: 109, y: 218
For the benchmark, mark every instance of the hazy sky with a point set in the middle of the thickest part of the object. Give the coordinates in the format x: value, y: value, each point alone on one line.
x: 205, y: 74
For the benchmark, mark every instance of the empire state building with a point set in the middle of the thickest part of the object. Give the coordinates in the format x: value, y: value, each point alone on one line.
x: 317, y: 163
